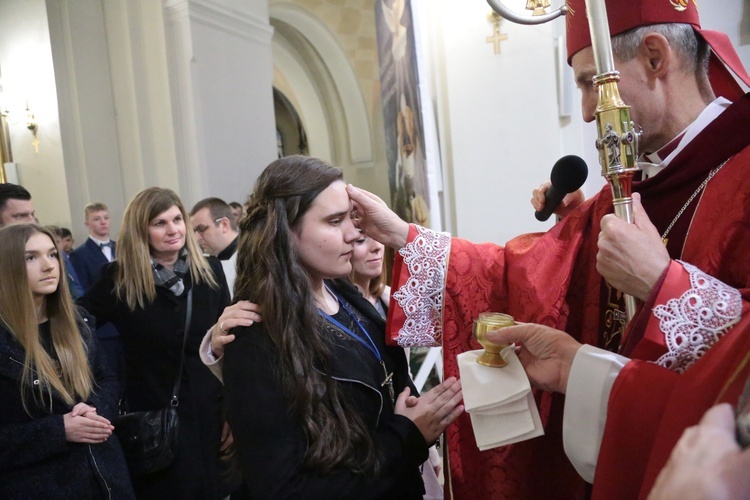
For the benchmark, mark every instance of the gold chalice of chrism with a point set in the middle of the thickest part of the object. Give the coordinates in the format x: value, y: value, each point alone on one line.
x: 486, y: 322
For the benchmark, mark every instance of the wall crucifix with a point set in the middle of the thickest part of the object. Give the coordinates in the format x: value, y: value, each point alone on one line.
x: 496, y: 36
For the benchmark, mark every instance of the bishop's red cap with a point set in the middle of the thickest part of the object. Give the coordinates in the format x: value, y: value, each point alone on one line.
x: 624, y: 15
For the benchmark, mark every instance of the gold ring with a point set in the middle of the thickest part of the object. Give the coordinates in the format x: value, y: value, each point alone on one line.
x: 221, y: 326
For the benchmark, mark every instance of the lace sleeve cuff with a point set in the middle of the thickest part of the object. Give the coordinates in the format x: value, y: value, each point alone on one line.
x: 420, y: 297
x: 693, y: 322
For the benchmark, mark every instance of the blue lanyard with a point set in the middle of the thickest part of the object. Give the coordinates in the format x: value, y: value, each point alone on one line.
x: 387, y: 377
x: 371, y: 346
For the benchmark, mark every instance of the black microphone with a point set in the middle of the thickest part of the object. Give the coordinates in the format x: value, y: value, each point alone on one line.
x: 568, y: 174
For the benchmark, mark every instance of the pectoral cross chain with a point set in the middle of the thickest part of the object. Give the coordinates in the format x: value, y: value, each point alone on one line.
x: 690, y: 200
x: 388, y: 381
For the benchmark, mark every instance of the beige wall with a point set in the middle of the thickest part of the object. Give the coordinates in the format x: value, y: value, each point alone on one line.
x: 500, y: 128
x: 28, y: 76
x: 497, y: 114
x: 352, y: 26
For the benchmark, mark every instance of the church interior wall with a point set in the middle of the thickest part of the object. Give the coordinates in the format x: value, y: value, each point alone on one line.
x: 221, y: 75
x: 504, y: 126
x: 116, y: 101
x: 27, y: 74
x: 503, y: 130
x: 92, y: 140
x: 139, y: 69
x: 342, y: 71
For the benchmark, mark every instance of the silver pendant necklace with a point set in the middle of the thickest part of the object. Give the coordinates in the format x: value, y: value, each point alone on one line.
x: 690, y: 200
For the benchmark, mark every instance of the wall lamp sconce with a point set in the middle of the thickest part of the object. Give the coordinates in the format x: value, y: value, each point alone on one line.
x: 3, y: 108
x: 32, y: 125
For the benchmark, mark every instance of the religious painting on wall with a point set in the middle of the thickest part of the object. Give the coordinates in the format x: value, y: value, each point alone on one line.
x: 6, y: 156
x: 402, y: 113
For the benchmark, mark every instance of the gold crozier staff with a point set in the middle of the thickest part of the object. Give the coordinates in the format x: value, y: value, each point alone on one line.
x: 617, y: 139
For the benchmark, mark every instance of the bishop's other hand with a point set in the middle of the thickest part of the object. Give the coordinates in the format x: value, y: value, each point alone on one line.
x: 546, y: 353
x: 570, y: 202
x: 631, y: 257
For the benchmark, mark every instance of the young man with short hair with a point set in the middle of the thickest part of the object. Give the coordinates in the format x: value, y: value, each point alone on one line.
x: 98, y: 249
x: 88, y: 260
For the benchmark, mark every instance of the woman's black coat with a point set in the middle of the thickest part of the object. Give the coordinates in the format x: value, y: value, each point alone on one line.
x: 271, y: 443
x: 36, y: 461
x: 152, y: 339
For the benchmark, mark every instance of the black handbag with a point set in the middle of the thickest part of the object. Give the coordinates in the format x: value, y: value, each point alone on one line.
x: 149, y: 438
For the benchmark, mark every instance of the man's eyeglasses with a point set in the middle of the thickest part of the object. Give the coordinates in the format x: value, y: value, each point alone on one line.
x: 203, y: 228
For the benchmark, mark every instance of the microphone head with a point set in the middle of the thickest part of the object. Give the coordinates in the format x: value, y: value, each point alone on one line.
x: 569, y: 173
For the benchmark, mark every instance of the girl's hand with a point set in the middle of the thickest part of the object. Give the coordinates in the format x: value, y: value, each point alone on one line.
x: 434, y: 411
x: 89, y: 428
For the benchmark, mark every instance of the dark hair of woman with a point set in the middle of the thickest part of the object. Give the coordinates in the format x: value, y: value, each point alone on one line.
x: 268, y: 273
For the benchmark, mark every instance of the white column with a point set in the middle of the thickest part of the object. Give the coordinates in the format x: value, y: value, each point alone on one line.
x: 88, y: 124
x: 221, y: 80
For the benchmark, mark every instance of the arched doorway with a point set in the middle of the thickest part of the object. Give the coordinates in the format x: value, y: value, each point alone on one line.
x: 291, y: 138
x: 313, y: 74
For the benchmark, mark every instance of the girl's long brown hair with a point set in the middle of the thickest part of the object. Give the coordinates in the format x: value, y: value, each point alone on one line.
x: 269, y: 273
x: 18, y: 314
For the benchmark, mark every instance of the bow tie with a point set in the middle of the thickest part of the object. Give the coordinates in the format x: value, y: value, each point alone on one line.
x: 107, y: 244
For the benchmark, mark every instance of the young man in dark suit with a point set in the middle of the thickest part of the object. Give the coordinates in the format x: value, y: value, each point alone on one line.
x: 88, y: 260
x: 98, y: 249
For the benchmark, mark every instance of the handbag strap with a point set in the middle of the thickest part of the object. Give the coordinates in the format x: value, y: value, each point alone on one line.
x: 175, y: 400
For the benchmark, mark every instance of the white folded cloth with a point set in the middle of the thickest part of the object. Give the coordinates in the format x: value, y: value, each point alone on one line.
x: 498, y: 400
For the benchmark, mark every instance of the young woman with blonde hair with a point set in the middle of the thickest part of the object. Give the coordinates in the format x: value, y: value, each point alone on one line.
x: 145, y: 292
x: 368, y: 273
x: 57, y: 401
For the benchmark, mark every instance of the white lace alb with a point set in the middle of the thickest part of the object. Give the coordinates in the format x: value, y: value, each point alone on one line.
x: 697, y: 320
x: 421, y: 297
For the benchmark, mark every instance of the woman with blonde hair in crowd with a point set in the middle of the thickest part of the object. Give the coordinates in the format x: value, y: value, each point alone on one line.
x: 319, y: 406
x: 159, y: 275
x: 368, y: 273
x: 57, y: 402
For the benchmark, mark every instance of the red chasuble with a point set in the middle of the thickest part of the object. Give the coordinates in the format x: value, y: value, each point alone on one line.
x: 551, y: 279
x: 650, y: 406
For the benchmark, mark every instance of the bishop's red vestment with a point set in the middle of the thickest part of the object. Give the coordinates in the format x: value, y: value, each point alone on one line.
x: 443, y: 283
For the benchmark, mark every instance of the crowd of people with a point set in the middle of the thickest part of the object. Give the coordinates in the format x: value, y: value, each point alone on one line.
x: 264, y: 326
x: 142, y: 288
